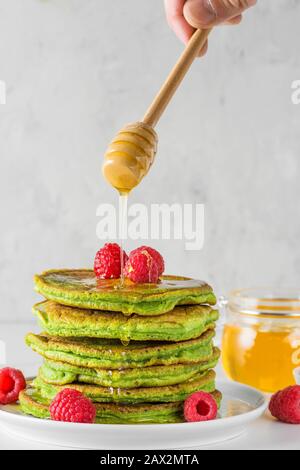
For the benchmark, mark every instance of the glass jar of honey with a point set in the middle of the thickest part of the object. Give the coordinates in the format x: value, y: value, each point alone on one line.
x: 261, y: 338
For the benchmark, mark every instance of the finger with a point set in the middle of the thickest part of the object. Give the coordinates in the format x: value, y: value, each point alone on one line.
x: 207, y: 13
x: 176, y: 20
x: 235, y: 20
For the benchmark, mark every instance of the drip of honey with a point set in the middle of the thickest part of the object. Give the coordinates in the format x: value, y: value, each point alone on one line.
x: 123, y: 208
x: 260, y: 357
x: 128, y: 159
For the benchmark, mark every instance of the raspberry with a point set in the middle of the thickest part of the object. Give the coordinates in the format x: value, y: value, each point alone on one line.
x: 200, y: 406
x: 142, y: 268
x: 155, y: 255
x: 107, y: 263
x: 285, y: 405
x: 12, y: 382
x: 72, y: 406
x: 273, y: 406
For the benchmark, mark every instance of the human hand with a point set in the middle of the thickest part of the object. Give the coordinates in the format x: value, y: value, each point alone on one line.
x: 184, y: 16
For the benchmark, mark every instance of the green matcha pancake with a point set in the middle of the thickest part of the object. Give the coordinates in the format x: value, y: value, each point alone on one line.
x: 203, y: 382
x: 32, y: 403
x: 111, y: 354
x: 182, y: 324
x: 81, y: 288
x: 59, y: 373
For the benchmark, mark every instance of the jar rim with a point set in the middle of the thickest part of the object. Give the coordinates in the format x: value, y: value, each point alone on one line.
x: 266, y: 301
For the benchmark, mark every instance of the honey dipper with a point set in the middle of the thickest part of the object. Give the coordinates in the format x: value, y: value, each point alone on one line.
x: 131, y: 154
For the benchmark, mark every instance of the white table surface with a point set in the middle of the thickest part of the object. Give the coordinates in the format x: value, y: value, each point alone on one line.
x: 264, y: 434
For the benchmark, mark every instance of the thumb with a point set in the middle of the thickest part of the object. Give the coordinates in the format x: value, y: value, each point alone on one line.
x: 208, y: 13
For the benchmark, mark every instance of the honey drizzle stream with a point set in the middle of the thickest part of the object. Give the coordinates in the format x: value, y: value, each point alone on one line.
x: 123, y: 211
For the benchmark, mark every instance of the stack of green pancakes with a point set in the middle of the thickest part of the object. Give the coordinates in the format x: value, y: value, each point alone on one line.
x: 137, y: 351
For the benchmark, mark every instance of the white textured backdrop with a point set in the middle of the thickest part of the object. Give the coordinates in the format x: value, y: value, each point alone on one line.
x: 78, y: 70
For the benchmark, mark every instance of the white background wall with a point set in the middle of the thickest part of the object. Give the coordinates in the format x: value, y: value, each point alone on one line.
x: 78, y: 70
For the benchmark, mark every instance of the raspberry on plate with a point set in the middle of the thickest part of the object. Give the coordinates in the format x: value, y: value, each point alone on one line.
x: 285, y: 405
x: 107, y: 263
x: 273, y: 405
x: 72, y: 406
x: 12, y: 382
x: 200, y: 406
x: 155, y: 255
x: 141, y: 268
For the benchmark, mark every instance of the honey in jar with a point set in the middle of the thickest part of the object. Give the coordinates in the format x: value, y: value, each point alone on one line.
x: 261, y: 338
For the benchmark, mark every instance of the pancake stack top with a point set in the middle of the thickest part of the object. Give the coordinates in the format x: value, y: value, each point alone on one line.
x: 137, y: 352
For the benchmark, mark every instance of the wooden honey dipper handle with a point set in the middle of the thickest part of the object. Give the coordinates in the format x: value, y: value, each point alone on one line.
x: 175, y: 78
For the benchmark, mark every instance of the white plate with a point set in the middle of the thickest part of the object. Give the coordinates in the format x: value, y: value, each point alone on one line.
x: 241, y: 406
